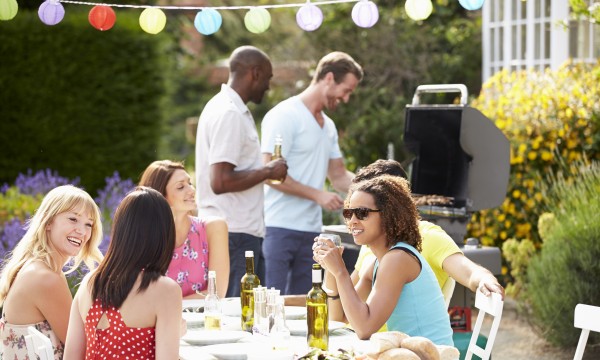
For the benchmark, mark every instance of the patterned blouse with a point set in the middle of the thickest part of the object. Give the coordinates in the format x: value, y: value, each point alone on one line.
x: 116, y: 341
x: 12, y: 340
x: 189, y: 265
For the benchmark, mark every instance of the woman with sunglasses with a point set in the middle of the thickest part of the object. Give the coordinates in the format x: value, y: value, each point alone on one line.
x: 380, y: 213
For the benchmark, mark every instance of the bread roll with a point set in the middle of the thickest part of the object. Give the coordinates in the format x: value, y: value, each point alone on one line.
x: 421, y: 346
x: 448, y: 352
x: 383, y: 341
x: 398, y: 354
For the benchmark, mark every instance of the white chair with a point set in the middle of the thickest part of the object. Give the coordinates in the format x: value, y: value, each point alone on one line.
x: 448, y: 290
x: 38, y: 345
x: 587, y: 318
x: 492, y: 306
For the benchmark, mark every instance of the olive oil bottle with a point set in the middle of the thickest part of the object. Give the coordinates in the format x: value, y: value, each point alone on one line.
x: 249, y: 281
x: 317, y: 316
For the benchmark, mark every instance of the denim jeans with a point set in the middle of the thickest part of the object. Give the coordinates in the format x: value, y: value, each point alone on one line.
x: 238, y: 244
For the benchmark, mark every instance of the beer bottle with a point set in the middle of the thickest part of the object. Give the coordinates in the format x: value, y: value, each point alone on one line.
x: 277, y: 155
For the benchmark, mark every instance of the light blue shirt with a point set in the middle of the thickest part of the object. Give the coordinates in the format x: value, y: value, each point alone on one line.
x: 307, y: 149
x: 421, y: 310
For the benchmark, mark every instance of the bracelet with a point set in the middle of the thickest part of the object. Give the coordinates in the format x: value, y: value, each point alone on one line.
x: 334, y: 297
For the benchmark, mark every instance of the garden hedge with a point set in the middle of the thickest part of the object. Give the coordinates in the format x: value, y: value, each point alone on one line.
x: 80, y: 101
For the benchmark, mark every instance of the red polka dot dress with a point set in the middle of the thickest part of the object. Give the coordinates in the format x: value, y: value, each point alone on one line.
x: 116, y: 341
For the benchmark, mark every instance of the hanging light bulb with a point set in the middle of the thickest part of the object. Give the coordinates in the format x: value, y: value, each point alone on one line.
x: 257, y: 20
x: 418, y: 9
x: 8, y: 9
x: 208, y: 21
x: 471, y: 4
x: 51, y: 12
x: 102, y: 17
x: 365, y: 13
x: 153, y: 20
x: 309, y: 17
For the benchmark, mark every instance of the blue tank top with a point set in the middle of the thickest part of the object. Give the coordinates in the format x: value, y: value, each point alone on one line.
x: 421, y: 310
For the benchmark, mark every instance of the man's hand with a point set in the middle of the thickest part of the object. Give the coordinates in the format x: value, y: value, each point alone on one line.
x: 277, y: 169
x: 489, y: 285
x: 330, y: 201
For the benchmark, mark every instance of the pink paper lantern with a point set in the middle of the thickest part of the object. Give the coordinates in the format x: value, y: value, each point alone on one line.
x: 309, y: 17
x: 51, y: 12
x: 365, y: 14
x: 102, y: 17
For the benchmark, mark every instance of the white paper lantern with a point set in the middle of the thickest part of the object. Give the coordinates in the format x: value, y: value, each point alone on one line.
x: 309, y: 17
x: 418, y: 9
x: 365, y: 13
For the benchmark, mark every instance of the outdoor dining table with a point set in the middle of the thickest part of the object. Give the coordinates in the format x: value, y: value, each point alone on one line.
x: 231, y: 343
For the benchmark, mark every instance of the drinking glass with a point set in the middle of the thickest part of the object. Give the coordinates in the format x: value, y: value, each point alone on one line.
x: 337, y: 240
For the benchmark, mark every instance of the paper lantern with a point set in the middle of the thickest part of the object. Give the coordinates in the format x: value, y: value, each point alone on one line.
x: 365, y: 14
x: 309, y: 17
x: 471, y: 4
x: 418, y: 9
x: 208, y: 21
x: 257, y: 20
x: 102, y: 17
x: 8, y: 9
x: 153, y: 20
x: 51, y: 12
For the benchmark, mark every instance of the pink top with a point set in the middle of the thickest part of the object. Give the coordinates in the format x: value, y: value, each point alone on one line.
x: 189, y: 265
x: 116, y: 341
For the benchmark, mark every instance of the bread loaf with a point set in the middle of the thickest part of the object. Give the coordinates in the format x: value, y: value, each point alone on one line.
x: 383, y: 341
x: 421, y: 346
x: 398, y: 354
x: 448, y: 352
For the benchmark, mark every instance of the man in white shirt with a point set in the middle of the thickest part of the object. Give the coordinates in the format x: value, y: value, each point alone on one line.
x: 229, y: 169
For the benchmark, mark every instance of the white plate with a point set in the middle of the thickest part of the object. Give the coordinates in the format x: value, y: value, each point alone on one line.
x: 210, y: 337
x: 295, y: 312
x: 298, y: 327
x: 246, y: 351
x: 192, y: 304
x: 193, y: 318
x: 231, y: 306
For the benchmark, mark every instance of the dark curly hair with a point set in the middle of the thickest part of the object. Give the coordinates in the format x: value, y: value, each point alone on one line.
x: 399, y: 215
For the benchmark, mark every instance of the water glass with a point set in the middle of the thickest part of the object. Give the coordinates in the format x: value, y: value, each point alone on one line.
x: 337, y: 240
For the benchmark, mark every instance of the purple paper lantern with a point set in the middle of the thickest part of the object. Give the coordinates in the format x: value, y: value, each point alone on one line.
x: 208, y: 21
x: 309, y: 17
x: 51, y: 12
x: 365, y: 14
x: 471, y: 4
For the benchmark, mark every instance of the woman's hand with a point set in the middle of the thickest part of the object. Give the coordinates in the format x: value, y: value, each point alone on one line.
x: 329, y: 256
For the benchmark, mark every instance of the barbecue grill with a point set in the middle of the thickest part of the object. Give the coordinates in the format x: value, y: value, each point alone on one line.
x: 461, y: 158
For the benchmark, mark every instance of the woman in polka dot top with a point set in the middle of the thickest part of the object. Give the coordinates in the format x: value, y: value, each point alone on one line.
x: 127, y: 308
x: 200, y: 244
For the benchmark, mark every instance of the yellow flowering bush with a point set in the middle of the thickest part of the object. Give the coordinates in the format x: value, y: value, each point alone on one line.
x: 551, y: 119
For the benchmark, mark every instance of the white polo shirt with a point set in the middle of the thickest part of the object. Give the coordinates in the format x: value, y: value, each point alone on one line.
x: 227, y: 133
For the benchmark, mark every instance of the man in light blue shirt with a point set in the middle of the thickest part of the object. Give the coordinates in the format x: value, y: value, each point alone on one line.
x: 293, y: 209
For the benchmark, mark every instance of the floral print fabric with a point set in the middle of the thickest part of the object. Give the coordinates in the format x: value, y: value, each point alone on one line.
x: 189, y: 265
x: 12, y: 340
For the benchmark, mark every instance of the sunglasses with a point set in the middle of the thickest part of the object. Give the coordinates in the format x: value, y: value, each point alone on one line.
x: 361, y: 213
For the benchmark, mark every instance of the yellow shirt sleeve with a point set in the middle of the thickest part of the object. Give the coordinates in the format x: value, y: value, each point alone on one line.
x: 436, y: 247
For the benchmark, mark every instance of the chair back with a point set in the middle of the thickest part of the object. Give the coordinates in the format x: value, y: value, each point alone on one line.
x: 492, y: 306
x: 38, y: 345
x: 587, y: 317
x: 448, y: 290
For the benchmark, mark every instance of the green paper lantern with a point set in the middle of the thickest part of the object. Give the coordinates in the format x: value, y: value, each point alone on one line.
x: 257, y: 20
x: 153, y: 20
x: 8, y: 9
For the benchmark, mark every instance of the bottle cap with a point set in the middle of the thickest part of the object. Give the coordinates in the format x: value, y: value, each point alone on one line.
x: 249, y: 253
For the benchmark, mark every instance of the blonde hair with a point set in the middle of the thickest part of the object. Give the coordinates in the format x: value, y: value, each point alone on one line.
x: 35, y: 243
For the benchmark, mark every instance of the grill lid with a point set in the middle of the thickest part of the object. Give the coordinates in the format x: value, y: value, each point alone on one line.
x: 459, y: 153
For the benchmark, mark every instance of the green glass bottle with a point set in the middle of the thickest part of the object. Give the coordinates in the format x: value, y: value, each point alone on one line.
x: 317, y: 316
x: 249, y: 281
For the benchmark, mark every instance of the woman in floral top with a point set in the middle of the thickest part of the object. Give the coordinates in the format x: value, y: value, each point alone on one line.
x: 201, y: 244
x: 33, y: 287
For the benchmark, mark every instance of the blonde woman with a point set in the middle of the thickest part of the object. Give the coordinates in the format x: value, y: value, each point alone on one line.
x: 33, y: 286
x: 201, y: 244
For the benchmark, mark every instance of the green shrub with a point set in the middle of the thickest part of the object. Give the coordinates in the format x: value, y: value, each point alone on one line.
x: 567, y: 271
x: 17, y: 205
x: 80, y: 101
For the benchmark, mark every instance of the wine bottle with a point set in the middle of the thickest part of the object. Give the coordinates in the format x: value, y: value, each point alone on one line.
x: 317, y: 317
x: 249, y: 281
x: 212, y: 304
x: 277, y: 155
